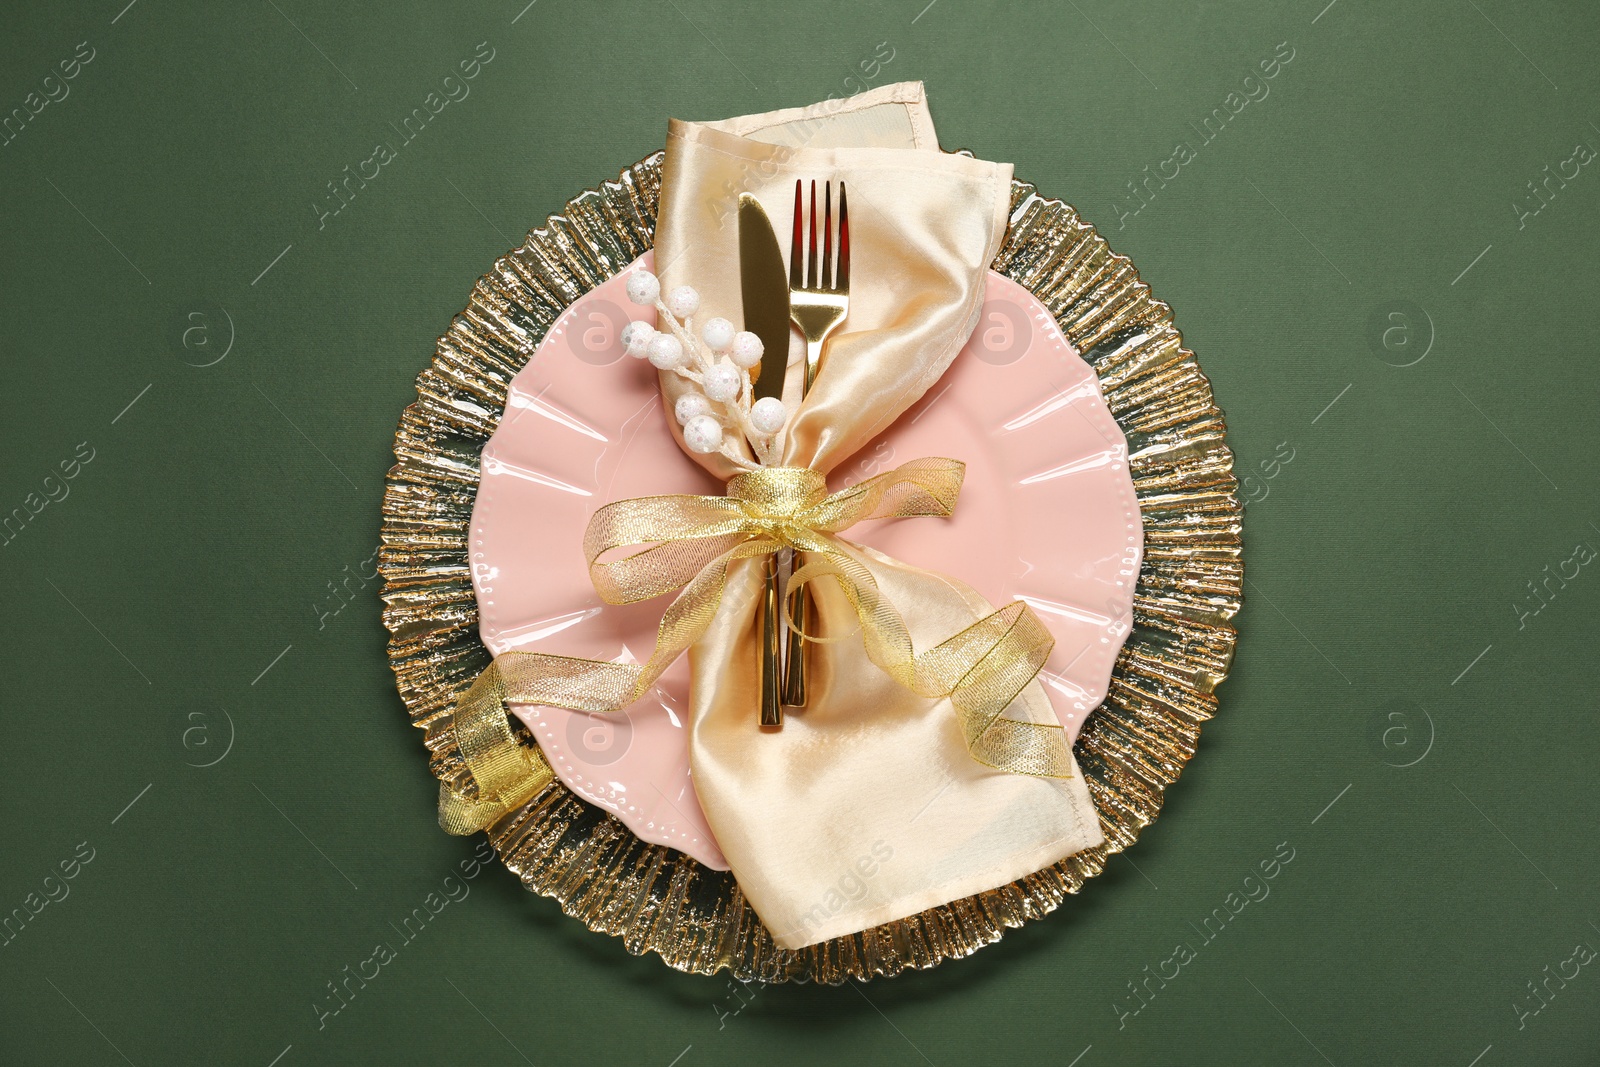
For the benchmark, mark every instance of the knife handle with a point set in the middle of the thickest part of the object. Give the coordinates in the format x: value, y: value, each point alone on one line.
x: 771, y: 695
x: 794, y: 675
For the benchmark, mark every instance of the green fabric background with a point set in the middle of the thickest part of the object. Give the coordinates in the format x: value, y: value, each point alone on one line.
x: 1388, y: 560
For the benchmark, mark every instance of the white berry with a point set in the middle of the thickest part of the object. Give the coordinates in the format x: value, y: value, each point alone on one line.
x: 703, y: 434
x: 690, y: 406
x: 768, y: 414
x: 684, y: 301
x: 644, y: 288
x: 722, y: 383
x: 746, y: 349
x: 665, y: 352
x: 717, y: 334
x: 636, y: 338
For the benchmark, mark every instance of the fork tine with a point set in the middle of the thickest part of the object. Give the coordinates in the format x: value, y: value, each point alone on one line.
x: 826, y: 281
x: 811, y: 244
x: 842, y: 278
x: 796, y: 252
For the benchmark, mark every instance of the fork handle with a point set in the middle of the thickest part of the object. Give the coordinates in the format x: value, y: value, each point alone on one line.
x: 813, y: 359
x: 794, y: 674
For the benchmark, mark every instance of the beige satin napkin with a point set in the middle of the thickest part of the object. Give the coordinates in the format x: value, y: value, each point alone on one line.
x: 865, y: 806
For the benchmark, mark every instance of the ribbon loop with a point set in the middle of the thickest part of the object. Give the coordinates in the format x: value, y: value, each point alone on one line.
x: 687, y: 543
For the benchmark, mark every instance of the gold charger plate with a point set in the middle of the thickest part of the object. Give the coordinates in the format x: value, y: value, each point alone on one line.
x: 660, y: 900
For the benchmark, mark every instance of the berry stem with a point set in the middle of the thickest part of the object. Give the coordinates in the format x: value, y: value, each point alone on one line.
x: 738, y: 409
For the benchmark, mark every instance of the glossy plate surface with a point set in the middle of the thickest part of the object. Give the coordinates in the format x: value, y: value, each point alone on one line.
x: 1048, y: 514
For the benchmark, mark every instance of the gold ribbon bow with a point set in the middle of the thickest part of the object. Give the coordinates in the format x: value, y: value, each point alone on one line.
x: 692, y: 541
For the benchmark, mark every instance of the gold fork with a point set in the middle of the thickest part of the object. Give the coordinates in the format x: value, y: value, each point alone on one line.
x: 819, y: 299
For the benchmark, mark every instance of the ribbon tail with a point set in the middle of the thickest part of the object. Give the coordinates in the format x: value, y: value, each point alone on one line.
x: 1007, y: 648
x: 982, y: 669
x: 464, y: 816
x: 507, y: 773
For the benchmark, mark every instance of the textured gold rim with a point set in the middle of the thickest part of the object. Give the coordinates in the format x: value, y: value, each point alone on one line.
x: 659, y: 900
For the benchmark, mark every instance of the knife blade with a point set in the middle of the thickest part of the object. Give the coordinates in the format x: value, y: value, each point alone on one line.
x: 764, y: 287
x: 764, y: 290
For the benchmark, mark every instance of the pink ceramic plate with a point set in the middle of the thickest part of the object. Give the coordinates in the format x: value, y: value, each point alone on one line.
x: 1047, y: 514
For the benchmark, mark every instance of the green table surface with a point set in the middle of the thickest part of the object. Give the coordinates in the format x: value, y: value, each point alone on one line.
x: 1358, y: 257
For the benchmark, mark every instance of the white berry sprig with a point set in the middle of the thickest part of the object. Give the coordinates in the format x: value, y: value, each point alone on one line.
x: 718, y: 364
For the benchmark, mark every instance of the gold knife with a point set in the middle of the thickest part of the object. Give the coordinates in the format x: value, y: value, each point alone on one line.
x: 764, y: 288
